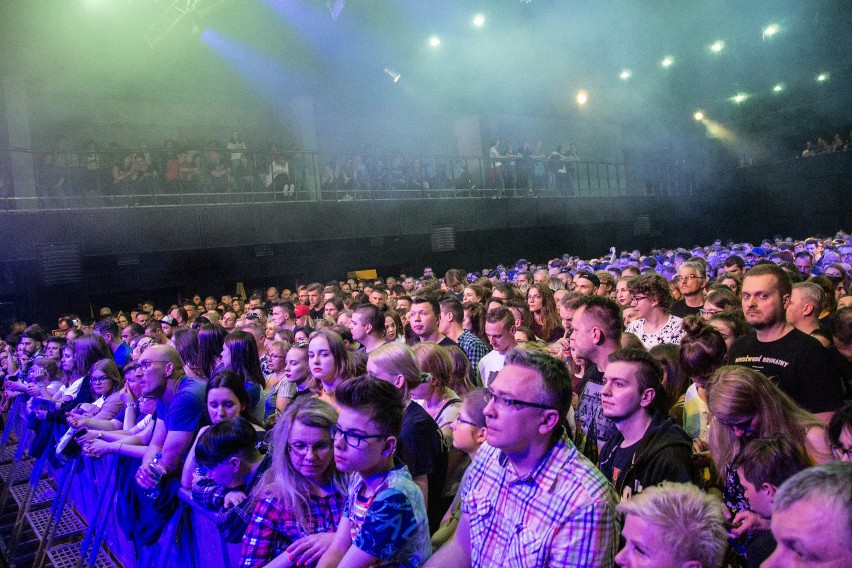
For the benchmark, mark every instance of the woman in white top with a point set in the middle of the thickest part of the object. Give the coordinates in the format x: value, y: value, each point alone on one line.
x: 652, y: 299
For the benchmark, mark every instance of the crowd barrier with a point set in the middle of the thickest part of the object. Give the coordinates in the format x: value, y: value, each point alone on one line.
x: 67, y: 180
x: 65, y: 515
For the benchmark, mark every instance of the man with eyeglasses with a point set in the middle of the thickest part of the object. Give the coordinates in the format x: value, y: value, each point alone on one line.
x: 691, y: 281
x: 180, y: 408
x: 384, y: 521
x: 531, y: 498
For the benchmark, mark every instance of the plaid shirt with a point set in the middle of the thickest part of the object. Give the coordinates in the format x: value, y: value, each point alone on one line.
x: 561, y: 514
x: 273, y: 528
x: 475, y: 350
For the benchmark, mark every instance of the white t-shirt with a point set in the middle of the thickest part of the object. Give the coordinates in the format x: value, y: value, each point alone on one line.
x: 72, y: 389
x: 490, y: 365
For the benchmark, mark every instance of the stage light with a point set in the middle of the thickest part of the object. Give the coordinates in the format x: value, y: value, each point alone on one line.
x: 822, y: 77
x: 739, y: 98
x: 717, y: 46
x: 393, y: 74
x: 582, y: 97
x: 625, y: 74
x: 434, y: 41
x: 479, y: 20
x: 699, y: 116
x: 778, y: 88
x: 771, y: 30
x: 667, y: 61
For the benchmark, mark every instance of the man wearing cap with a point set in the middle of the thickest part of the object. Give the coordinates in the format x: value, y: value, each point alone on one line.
x: 169, y: 324
x: 586, y: 283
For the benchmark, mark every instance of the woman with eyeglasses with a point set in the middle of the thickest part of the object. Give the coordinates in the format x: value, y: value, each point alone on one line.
x: 719, y: 299
x: 299, y: 500
x: 226, y: 398
x: 107, y: 383
x: 138, y: 421
x: 281, y: 390
x: 745, y: 405
x: 469, y: 433
x: 652, y: 299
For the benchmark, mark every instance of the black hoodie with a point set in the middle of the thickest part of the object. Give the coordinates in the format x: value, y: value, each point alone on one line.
x: 663, y: 454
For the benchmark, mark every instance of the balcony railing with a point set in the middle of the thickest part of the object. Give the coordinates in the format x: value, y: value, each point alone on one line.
x: 33, y: 179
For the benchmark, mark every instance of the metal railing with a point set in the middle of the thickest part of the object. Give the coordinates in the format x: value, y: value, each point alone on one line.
x: 37, y: 179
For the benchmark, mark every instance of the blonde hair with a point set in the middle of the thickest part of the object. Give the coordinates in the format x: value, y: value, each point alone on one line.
x: 398, y: 359
x: 735, y: 394
x: 435, y: 360
x: 282, y: 481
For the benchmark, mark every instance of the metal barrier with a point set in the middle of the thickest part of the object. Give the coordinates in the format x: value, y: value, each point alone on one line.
x: 67, y: 180
x: 71, y: 512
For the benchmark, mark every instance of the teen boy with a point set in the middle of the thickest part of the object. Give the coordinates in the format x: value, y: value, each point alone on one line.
x: 384, y: 521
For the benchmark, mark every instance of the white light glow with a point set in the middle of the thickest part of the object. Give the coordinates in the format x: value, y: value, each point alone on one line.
x: 778, y: 88
x: 717, y: 46
x: 582, y: 97
x: 771, y: 30
x: 479, y: 20
x: 698, y: 115
x: 823, y: 77
x: 667, y: 61
x: 625, y: 74
x: 739, y: 98
x: 434, y: 41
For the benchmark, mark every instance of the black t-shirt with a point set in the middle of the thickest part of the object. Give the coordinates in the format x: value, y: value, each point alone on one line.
x: 618, y: 461
x: 681, y: 310
x: 798, y: 364
x: 422, y: 449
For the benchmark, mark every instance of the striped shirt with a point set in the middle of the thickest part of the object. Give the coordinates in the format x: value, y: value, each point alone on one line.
x: 561, y: 514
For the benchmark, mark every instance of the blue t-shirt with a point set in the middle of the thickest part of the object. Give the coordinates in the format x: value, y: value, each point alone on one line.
x: 186, y: 411
x: 392, y: 525
x: 122, y: 354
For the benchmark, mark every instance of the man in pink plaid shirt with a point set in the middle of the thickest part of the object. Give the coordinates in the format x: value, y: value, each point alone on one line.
x: 530, y: 498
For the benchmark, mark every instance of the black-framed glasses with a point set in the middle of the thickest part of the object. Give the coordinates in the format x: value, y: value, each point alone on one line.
x: 707, y: 313
x: 463, y: 421
x: 506, y: 402
x: 636, y: 298
x: 353, y: 439
x: 145, y: 365
x: 100, y: 379
x: 841, y: 453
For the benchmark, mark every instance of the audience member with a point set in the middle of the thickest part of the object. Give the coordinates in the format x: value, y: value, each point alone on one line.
x: 673, y: 525
x: 567, y: 507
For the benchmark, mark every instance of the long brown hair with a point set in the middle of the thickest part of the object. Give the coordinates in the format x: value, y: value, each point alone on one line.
x: 549, y: 314
x: 735, y: 394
